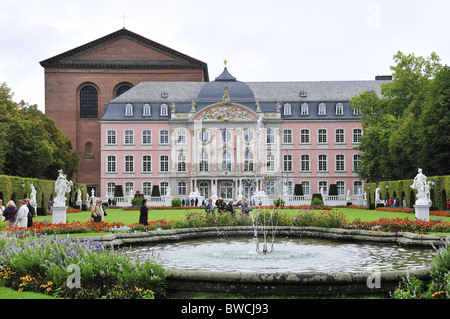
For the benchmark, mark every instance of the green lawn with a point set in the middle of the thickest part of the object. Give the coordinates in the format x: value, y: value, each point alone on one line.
x: 8, y: 293
x: 131, y: 217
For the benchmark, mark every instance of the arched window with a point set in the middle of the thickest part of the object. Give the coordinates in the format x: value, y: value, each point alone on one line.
x: 122, y: 89
x: 88, y: 102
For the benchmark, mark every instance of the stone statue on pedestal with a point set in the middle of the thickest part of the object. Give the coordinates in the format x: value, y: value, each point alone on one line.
x: 420, y: 183
x: 62, y: 186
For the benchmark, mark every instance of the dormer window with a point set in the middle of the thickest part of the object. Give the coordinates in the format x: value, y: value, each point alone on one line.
x: 357, y: 110
x: 322, y: 109
x: 304, y: 109
x: 164, y: 110
x: 147, y: 110
x: 303, y: 94
x: 339, y: 109
x: 287, y: 109
x: 129, y: 110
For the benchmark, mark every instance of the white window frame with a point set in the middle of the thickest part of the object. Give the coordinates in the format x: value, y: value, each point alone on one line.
x: 339, y: 163
x: 110, y: 163
x: 322, y: 184
x: 357, y: 135
x: 128, y: 137
x: 304, y: 109
x: 146, y: 110
x: 128, y: 165
x: 110, y: 187
x: 305, y: 163
x: 322, y: 109
x: 182, y: 188
x: 305, y: 133
x: 288, y: 163
x: 146, y: 163
x: 145, y: 187
x: 339, y: 138
x: 164, y: 110
x: 322, y: 164
x: 287, y: 136
x: 161, y: 163
x: 339, y: 109
x: 129, y: 109
x: 111, y: 137
x: 146, y: 137
x: 287, y: 109
x: 161, y: 141
x: 323, y: 137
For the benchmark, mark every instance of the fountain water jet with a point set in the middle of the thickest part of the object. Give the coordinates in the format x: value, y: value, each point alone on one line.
x: 267, y: 223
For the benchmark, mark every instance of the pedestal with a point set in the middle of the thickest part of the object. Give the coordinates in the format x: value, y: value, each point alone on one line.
x: 59, y: 214
x: 422, y: 211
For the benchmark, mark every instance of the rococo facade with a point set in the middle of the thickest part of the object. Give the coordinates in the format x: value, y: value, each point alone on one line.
x: 227, y: 138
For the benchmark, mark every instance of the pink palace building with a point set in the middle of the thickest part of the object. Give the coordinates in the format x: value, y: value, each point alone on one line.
x: 228, y: 138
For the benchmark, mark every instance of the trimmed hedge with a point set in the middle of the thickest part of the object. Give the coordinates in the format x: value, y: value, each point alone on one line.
x: 11, y: 189
x: 402, y: 188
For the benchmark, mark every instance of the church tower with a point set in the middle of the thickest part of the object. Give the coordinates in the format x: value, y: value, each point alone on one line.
x: 81, y: 81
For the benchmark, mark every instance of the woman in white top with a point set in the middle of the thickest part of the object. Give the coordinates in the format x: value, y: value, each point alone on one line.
x: 22, y: 215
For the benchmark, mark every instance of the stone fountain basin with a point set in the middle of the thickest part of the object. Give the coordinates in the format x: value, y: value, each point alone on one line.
x: 190, y: 282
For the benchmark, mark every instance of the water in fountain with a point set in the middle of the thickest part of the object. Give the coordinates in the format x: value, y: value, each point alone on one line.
x: 265, y: 221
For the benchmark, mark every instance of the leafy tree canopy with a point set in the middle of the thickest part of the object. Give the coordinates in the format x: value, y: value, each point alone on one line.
x: 407, y: 127
x: 30, y: 143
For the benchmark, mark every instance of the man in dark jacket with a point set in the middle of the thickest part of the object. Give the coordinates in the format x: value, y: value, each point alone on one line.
x: 231, y: 208
x: 31, y: 212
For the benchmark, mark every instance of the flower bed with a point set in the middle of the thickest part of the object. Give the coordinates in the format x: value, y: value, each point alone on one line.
x: 42, y: 264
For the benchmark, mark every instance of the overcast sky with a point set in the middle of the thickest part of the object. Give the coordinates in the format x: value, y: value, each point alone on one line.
x: 263, y: 40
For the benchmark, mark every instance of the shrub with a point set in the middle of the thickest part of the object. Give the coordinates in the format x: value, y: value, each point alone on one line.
x: 176, y: 202
x: 137, y: 201
x: 316, y: 201
x: 279, y: 202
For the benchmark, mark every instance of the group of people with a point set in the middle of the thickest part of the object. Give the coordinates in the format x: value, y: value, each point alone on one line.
x: 224, y: 207
x: 394, y: 202
x: 19, y: 217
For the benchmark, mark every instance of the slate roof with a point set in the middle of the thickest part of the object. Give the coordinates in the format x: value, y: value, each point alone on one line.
x: 246, y: 93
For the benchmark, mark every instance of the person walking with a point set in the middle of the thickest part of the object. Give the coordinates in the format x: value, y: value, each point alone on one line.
x: 143, y: 216
x: 10, y: 212
x: 97, y: 211
x: 31, y: 212
x: 22, y: 214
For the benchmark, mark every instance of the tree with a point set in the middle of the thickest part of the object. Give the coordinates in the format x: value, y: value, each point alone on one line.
x: 32, y: 146
x: 410, y: 117
x: 434, y: 123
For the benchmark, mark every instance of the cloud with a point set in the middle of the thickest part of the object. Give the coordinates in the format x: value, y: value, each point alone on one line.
x: 263, y: 40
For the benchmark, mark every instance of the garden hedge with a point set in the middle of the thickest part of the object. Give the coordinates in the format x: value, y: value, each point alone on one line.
x: 402, y: 188
x: 11, y: 189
